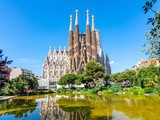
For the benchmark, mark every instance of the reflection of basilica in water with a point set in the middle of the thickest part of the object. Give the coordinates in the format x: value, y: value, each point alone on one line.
x: 50, y: 110
x: 79, y: 107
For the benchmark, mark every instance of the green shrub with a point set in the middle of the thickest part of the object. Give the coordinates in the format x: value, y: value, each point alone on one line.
x: 115, y: 88
x: 136, y: 90
x: 92, y: 84
x: 78, y: 89
x: 84, y: 89
x: 94, y: 90
x: 61, y: 90
x: 104, y: 88
x: 69, y: 90
x: 155, y: 91
x: 105, y: 92
x: 148, y: 90
x: 141, y: 91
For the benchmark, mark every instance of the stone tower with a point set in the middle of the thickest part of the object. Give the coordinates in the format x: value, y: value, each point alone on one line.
x: 88, y: 39
x: 94, y: 42
x: 82, y: 47
x: 107, y: 65
x: 70, y: 47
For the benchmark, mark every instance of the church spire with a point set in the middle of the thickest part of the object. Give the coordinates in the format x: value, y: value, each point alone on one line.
x: 93, y: 28
x: 94, y: 41
x: 59, y: 48
x: 70, y: 26
x: 70, y: 45
x: 76, y: 22
x: 87, y: 22
x: 54, y: 48
x: 88, y: 38
x: 76, y: 41
x: 50, y: 50
x: 107, y: 65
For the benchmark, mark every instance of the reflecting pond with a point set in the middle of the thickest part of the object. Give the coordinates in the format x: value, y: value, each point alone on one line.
x: 79, y: 107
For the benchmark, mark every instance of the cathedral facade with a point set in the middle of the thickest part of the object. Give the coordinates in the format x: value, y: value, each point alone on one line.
x: 81, y: 49
x: 55, y: 65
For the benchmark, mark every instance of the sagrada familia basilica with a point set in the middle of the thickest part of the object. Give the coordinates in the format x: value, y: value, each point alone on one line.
x: 81, y: 49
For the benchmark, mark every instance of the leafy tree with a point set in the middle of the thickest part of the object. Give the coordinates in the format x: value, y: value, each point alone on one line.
x: 106, y: 80
x: 152, y: 46
x: 99, y: 84
x: 123, y: 77
x: 68, y: 79
x: 131, y: 76
x: 20, y: 85
x: 149, y: 76
x: 114, y: 77
x: 80, y: 79
x: 93, y: 71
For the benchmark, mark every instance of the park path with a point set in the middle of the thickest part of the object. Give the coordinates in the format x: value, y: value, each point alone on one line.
x: 5, y: 97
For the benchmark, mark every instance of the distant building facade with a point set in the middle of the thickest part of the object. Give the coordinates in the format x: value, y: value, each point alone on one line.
x: 15, y: 72
x: 145, y: 63
x: 43, y: 83
x: 81, y: 49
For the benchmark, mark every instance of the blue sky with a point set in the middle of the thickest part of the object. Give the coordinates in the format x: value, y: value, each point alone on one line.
x: 29, y: 27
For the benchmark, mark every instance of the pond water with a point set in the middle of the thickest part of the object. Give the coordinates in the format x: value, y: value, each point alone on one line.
x: 79, y: 107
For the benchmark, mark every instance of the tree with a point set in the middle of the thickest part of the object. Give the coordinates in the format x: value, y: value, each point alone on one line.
x: 152, y: 45
x: 106, y: 79
x: 131, y: 76
x: 114, y: 77
x: 80, y: 79
x: 94, y: 71
x: 149, y: 76
x: 126, y: 78
x: 4, y: 70
x: 20, y: 85
x: 68, y: 79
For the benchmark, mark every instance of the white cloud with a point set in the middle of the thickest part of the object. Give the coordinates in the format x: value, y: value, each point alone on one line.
x: 112, y: 62
x: 28, y: 61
